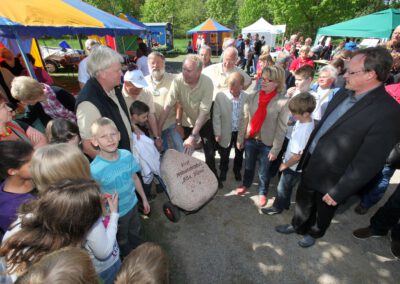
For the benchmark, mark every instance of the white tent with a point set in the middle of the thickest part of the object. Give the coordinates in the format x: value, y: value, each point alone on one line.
x: 263, y: 28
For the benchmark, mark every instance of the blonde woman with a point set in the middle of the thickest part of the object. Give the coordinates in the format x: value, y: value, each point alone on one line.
x: 263, y: 127
x: 44, y: 102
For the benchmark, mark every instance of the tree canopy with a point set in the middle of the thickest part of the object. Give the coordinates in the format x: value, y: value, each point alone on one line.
x: 304, y: 16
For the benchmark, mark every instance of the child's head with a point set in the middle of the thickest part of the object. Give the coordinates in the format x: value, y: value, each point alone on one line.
x: 235, y: 82
x: 304, y: 77
x: 15, y: 159
x: 55, y: 162
x: 302, y: 105
x: 68, y: 265
x: 61, y: 130
x: 105, y: 135
x: 139, y: 112
x: 61, y: 216
x: 148, y: 263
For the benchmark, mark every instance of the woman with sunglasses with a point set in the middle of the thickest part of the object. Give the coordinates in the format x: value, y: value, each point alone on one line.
x: 262, y: 129
x: 12, y: 130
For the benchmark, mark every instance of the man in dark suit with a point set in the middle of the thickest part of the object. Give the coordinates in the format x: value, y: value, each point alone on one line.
x: 348, y: 147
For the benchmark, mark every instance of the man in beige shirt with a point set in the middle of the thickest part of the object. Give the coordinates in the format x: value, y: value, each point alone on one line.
x: 101, y: 97
x: 194, y: 92
x: 219, y: 72
x: 132, y: 90
x: 158, y: 85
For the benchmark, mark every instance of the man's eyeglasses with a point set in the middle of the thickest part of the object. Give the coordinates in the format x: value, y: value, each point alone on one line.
x: 354, y: 72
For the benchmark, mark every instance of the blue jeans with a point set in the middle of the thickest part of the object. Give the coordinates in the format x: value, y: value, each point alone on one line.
x: 255, y: 151
x: 289, y: 180
x: 171, y: 137
x: 255, y: 60
x: 108, y: 276
x: 375, y: 190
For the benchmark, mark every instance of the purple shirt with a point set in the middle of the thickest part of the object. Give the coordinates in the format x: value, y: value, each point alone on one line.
x: 9, y: 203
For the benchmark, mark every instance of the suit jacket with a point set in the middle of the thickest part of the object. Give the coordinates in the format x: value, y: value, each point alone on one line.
x: 355, y: 148
x: 222, y: 117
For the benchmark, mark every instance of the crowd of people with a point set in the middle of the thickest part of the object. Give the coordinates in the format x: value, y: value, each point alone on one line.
x: 72, y: 189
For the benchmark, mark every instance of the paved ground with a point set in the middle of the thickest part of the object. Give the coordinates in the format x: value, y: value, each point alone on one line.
x: 231, y: 241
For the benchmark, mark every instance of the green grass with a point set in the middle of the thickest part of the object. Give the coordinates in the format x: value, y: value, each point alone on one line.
x: 53, y: 42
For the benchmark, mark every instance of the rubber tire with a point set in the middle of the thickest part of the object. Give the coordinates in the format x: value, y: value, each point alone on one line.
x: 51, y: 66
x: 171, y: 212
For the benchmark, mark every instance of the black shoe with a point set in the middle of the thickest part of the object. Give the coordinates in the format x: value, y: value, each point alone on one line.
x: 361, y: 210
x: 220, y: 185
x: 271, y: 210
x: 222, y: 176
x: 395, y: 248
x: 365, y: 233
x: 238, y: 176
x: 306, y: 241
x: 285, y: 229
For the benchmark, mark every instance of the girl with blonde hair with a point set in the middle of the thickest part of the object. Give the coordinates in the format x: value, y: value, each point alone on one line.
x: 55, y: 162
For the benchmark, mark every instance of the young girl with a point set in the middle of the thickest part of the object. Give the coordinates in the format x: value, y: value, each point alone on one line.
x: 17, y: 187
x: 55, y: 162
x: 61, y: 130
x: 61, y: 217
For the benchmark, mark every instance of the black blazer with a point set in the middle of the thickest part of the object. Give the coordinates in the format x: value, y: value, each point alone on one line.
x: 355, y: 148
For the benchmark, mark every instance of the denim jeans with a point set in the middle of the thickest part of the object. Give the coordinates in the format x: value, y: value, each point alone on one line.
x: 289, y: 180
x: 376, y: 189
x: 255, y: 151
x: 108, y: 276
x: 171, y: 137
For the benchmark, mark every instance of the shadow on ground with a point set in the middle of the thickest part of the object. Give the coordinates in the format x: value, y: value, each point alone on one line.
x: 230, y: 241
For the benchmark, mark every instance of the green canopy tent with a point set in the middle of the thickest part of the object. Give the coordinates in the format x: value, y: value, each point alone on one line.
x: 376, y: 25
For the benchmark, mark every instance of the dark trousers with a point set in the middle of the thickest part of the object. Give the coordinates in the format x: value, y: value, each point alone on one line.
x: 224, y: 154
x: 208, y: 139
x: 128, y: 231
x: 388, y: 216
x: 312, y: 215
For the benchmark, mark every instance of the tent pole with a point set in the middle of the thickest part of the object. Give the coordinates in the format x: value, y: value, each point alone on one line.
x: 23, y: 54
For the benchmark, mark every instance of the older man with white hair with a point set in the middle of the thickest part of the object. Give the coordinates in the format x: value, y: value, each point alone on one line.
x: 83, y: 75
x: 218, y: 73
x: 101, y: 97
x: 194, y: 91
x: 324, y: 90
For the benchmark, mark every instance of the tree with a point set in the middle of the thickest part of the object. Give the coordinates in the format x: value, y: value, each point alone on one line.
x: 252, y: 10
x: 224, y: 12
x: 306, y: 16
x: 131, y: 7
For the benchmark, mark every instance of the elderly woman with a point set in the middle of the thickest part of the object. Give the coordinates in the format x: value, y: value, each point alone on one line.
x: 302, y: 60
x: 101, y: 97
x: 12, y: 130
x: 44, y: 102
x: 263, y: 128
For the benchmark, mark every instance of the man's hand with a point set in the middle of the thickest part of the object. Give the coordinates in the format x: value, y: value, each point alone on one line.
x: 271, y: 157
x: 283, y: 167
x: 218, y: 138
x: 239, y: 145
x: 158, y: 143
x: 189, y: 145
x: 329, y: 200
